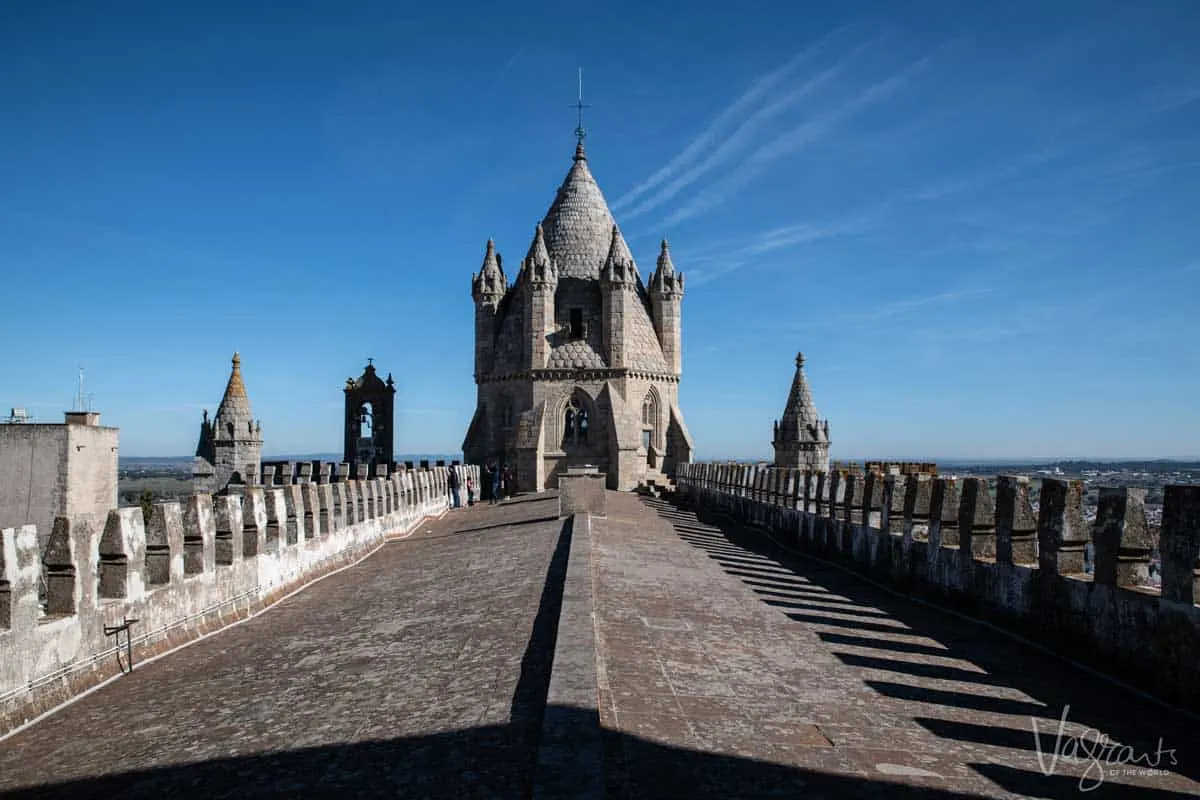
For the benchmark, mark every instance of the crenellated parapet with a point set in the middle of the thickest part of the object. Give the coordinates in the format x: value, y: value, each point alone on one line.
x: 197, y: 566
x: 1010, y: 549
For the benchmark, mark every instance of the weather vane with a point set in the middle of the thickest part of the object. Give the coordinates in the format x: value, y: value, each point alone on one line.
x: 580, y: 132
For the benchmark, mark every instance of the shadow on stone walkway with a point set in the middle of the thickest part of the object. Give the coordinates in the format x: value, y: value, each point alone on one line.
x: 969, y: 686
x: 451, y: 765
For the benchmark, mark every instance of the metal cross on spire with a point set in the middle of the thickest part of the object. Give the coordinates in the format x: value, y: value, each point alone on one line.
x: 579, y: 105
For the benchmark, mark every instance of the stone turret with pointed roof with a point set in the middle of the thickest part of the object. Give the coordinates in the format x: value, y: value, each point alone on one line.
x: 801, y: 439
x: 572, y: 364
x: 229, y: 454
x: 490, y: 284
x: 666, y: 296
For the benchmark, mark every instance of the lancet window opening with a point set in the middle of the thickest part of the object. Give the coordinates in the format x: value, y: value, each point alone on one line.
x: 575, y: 423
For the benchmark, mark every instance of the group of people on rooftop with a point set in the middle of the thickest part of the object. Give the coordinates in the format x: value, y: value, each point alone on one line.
x: 499, y: 484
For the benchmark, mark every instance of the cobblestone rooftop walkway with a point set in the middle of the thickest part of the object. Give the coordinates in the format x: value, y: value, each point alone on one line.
x: 800, y: 680
x: 414, y: 674
x: 726, y: 668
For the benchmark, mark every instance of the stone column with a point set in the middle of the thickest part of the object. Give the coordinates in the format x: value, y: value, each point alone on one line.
x: 892, y: 516
x: 227, y: 544
x: 254, y: 522
x: 164, y: 544
x: 1061, y: 530
x: 1179, y: 544
x: 199, y: 533
x: 312, y: 508
x: 276, y: 519
x: 1121, y: 538
x: 872, y: 507
x: 943, y: 514
x: 918, y: 490
x: 294, y: 503
x: 122, y: 554
x: 977, y: 519
x: 59, y: 563
x: 852, y: 500
x: 1016, y: 526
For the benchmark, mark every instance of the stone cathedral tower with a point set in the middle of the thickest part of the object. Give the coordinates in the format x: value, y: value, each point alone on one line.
x: 801, y: 439
x: 229, y: 454
x: 578, y: 361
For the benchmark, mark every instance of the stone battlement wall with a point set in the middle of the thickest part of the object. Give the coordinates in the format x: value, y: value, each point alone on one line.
x: 952, y: 541
x: 197, y: 567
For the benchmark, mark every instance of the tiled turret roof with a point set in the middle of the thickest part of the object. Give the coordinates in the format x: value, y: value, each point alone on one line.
x: 800, y: 421
x: 578, y: 226
x: 235, y: 404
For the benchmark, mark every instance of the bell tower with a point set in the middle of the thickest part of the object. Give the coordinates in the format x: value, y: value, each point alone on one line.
x: 368, y: 428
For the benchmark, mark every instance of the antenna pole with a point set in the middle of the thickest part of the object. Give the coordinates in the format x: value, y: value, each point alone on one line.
x: 580, y: 131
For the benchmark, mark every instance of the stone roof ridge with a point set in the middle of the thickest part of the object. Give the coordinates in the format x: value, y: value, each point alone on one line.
x: 235, y: 403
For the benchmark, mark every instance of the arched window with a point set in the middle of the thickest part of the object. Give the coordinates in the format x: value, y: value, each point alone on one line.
x: 649, y: 420
x: 366, y: 420
x: 575, y: 423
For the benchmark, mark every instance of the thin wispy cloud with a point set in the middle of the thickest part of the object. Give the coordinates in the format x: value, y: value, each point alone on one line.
x: 896, y: 308
x: 508, y: 65
x: 905, y: 305
x: 799, y: 137
x: 1171, y: 98
x: 735, y: 111
x: 744, y: 135
x: 747, y: 251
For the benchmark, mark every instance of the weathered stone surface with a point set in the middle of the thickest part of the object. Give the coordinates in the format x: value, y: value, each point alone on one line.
x: 419, y: 673
x: 1016, y: 524
x: 732, y: 668
x: 578, y: 361
x: 1121, y: 538
x: 1179, y: 543
x: 581, y: 491
x: 1062, y: 532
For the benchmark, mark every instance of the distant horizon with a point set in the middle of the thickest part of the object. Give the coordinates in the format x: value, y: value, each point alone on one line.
x: 335, y: 458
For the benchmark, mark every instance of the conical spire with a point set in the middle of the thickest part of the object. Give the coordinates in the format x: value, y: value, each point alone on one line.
x: 235, y: 403
x: 666, y: 282
x: 537, y: 251
x: 801, y: 438
x: 490, y: 261
x: 490, y: 282
x: 800, y: 403
x: 618, y: 254
x: 234, y: 419
x: 665, y: 267
x: 578, y: 224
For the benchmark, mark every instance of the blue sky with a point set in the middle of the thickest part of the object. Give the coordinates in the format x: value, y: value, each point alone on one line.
x: 978, y: 221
